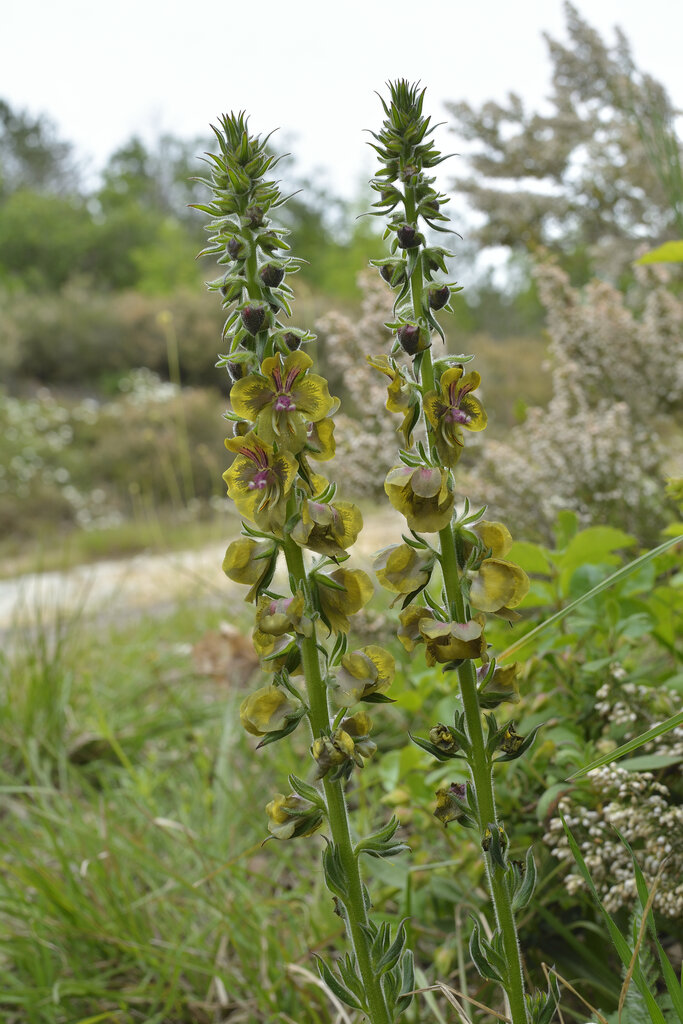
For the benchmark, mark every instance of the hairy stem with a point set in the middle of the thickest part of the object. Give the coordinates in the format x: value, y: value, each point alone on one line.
x: 337, y: 812
x: 479, y: 761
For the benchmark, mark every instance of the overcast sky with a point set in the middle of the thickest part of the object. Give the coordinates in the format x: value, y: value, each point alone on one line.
x: 104, y: 71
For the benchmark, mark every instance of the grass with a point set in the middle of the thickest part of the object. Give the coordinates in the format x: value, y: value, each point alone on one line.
x: 133, y: 883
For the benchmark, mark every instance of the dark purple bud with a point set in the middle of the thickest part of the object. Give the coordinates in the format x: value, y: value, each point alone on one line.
x: 235, y: 248
x: 434, y: 205
x: 272, y: 275
x: 254, y: 215
x: 410, y: 339
x: 253, y: 318
x: 458, y: 790
x: 409, y: 171
x: 292, y: 341
x: 408, y: 237
x: 237, y: 370
x: 438, y: 297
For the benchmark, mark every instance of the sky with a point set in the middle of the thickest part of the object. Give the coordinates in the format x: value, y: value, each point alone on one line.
x: 106, y: 71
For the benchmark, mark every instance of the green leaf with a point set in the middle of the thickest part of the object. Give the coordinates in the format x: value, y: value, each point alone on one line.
x: 670, y: 252
x: 335, y: 986
x: 616, y: 577
x: 533, y: 558
x: 634, y: 744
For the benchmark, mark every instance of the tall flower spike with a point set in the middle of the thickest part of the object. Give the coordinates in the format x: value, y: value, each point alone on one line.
x: 423, y: 490
x: 282, y: 414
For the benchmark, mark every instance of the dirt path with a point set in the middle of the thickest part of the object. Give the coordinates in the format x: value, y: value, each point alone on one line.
x: 113, y: 590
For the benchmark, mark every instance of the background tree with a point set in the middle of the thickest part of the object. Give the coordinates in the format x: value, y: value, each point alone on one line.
x: 599, y: 168
x: 33, y: 157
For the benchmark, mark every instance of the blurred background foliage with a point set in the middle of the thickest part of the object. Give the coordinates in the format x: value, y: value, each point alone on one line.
x: 98, y: 272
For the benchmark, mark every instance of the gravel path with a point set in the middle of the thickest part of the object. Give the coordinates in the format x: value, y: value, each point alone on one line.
x: 114, y: 590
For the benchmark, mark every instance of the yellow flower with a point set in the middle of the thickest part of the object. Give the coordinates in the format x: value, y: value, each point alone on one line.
x: 423, y: 495
x: 329, y: 529
x: 452, y: 408
x: 450, y: 801
x: 266, y: 710
x: 409, y: 631
x: 342, y: 593
x: 403, y: 569
x: 336, y: 751
x: 363, y: 673
x: 249, y: 561
x: 452, y: 641
x: 260, y: 480
x: 282, y: 399
x: 496, y: 537
x: 500, y: 686
x: 320, y: 444
x: 276, y: 652
x: 292, y: 816
x: 498, y: 586
x: 359, y: 727
x: 401, y: 397
x: 277, y: 616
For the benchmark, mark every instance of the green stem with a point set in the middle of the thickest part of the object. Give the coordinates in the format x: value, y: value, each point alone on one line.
x: 479, y: 762
x: 482, y: 780
x: 337, y: 811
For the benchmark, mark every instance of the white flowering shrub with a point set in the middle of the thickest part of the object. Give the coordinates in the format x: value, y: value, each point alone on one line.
x: 641, y: 809
x: 621, y: 357
x: 595, y: 449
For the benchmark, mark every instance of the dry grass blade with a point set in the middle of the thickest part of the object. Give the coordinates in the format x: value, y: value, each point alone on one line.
x: 342, y: 1015
x: 639, y: 941
x: 450, y: 994
x: 551, y: 970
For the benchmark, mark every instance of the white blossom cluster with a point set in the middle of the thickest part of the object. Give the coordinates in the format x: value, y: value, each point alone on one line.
x: 640, y: 808
x: 366, y: 442
x: 37, y: 429
x: 618, y: 356
x: 637, y: 708
x: 595, y: 448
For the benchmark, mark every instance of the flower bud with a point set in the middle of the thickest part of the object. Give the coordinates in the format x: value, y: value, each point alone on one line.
x: 511, y: 741
x: 409, y: 171
x: 411, y: 339
x: 449, y: 802
x: 333, y: 752
x: 292, y: 341
x: 408, y: 237
x: 254, y: 215
x: 253, y: 318
x: 235, y: 248
x: 292, y: 816
x: 438, y: 297
x: 237, y: 370
x: 442, y: 737
x: 272, y: 275
x: 393, y: 273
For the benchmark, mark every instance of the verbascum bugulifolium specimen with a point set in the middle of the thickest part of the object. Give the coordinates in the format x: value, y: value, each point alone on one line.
x: 282, y: 434
x: 447, y: 615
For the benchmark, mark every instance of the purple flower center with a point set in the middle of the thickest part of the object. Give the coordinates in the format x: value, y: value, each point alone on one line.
x: 259, y: 481
x: 457, y: 416
x: 284, y: 403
